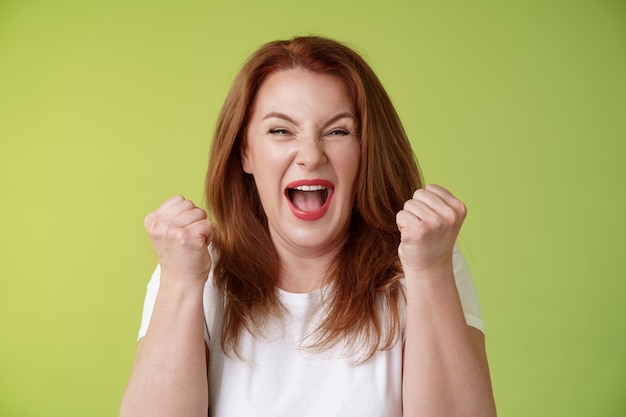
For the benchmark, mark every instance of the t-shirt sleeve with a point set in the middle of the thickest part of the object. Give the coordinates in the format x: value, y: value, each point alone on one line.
x: 148, y: 303
x: 467, y: 291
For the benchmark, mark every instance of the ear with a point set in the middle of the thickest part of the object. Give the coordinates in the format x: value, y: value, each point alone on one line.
x: 246, y: 162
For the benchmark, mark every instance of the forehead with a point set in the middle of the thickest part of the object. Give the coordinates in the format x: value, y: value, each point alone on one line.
x: 298, y: 88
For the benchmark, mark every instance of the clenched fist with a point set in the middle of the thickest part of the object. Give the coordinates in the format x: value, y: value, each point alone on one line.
x: 429, y: 224
x: 180, y: 233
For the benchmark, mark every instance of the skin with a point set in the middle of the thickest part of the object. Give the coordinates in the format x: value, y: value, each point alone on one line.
x: 302, y: 128
x: 445, y: 364
x: 169, y: 376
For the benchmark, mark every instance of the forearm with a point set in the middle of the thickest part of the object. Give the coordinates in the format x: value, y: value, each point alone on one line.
x: 445, y: 365
x: 169, y: 376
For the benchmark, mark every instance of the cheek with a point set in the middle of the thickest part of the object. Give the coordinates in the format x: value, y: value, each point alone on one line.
x: 270, y: 164
x: 277, y: 157
x: 256, y: 159
x: 351, y: 161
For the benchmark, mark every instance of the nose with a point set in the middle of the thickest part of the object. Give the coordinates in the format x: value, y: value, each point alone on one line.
x: 310, y: 153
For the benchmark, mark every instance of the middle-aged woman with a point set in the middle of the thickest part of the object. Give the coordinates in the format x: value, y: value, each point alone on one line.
x: 332, y: 285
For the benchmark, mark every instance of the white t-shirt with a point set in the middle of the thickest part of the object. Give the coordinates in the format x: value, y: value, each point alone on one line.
x: 280, y: 376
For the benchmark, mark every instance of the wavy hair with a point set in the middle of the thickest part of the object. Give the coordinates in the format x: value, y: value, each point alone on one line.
x: 363, y: 281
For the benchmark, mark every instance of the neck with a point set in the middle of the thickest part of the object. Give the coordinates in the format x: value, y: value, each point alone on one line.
x: 304, y: 273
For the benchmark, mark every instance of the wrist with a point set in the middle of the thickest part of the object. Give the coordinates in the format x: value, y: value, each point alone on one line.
x: 180, y: 281
x: 432, y: 267
x: 426, y: 279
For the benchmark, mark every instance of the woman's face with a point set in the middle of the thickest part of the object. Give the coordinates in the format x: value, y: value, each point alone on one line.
x: 303, y: 149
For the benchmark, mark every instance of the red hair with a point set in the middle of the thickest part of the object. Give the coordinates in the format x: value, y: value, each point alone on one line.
x: 364, y: 278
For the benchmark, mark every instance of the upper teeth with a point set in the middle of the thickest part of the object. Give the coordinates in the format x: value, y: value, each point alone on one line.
x: 310, y: 187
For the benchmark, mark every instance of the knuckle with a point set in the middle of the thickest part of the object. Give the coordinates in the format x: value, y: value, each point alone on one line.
x: 148, y: 221
x: 177, y: 198
x: 179, y: 235
x: 449, y: 214
x: 437, y: 223
x: 187, y: 204
x: 462, y: 209
x: 166, y: 231
x: 200, y: 213
x: 410, y: 205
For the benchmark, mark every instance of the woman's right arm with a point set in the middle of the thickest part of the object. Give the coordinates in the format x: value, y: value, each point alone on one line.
x: 169, y: 376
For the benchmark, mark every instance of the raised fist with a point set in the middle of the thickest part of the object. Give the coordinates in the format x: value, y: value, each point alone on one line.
x: 180, y: 233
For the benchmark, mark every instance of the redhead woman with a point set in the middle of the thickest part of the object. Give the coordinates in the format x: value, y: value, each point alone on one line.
x: 325, y: 280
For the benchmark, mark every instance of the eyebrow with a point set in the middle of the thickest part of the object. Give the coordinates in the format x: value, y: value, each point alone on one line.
x: 283, y: 116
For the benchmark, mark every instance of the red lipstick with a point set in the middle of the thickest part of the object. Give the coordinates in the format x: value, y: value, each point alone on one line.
x: 308, y: 186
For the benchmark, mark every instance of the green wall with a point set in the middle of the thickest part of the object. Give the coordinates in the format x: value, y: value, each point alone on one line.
x: 107, y: 108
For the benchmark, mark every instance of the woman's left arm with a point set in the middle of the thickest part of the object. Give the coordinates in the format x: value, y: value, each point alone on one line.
x: 445, y: 370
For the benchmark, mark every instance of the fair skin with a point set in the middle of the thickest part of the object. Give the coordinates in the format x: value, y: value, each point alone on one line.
x: 445, y: 369
x: 302, y: 133
x: 169, y: 374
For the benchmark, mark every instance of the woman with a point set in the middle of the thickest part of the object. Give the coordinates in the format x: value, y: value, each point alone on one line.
x: 334, y: 285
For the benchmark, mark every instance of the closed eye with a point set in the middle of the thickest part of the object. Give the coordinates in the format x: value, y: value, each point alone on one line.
x: 337, y: 134
x: 279, y: 132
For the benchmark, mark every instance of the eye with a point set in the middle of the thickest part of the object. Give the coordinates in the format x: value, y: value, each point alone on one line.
x: 279, y: 131
x: 337, y: 134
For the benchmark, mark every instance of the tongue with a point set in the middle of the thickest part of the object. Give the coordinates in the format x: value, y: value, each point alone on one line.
x: 307, y: 200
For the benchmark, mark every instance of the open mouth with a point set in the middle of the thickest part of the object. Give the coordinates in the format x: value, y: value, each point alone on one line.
x: 308, y: 197
x: 309, y: 200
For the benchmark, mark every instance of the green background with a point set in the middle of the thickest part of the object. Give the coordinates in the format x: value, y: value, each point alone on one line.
x: 107, y: 108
